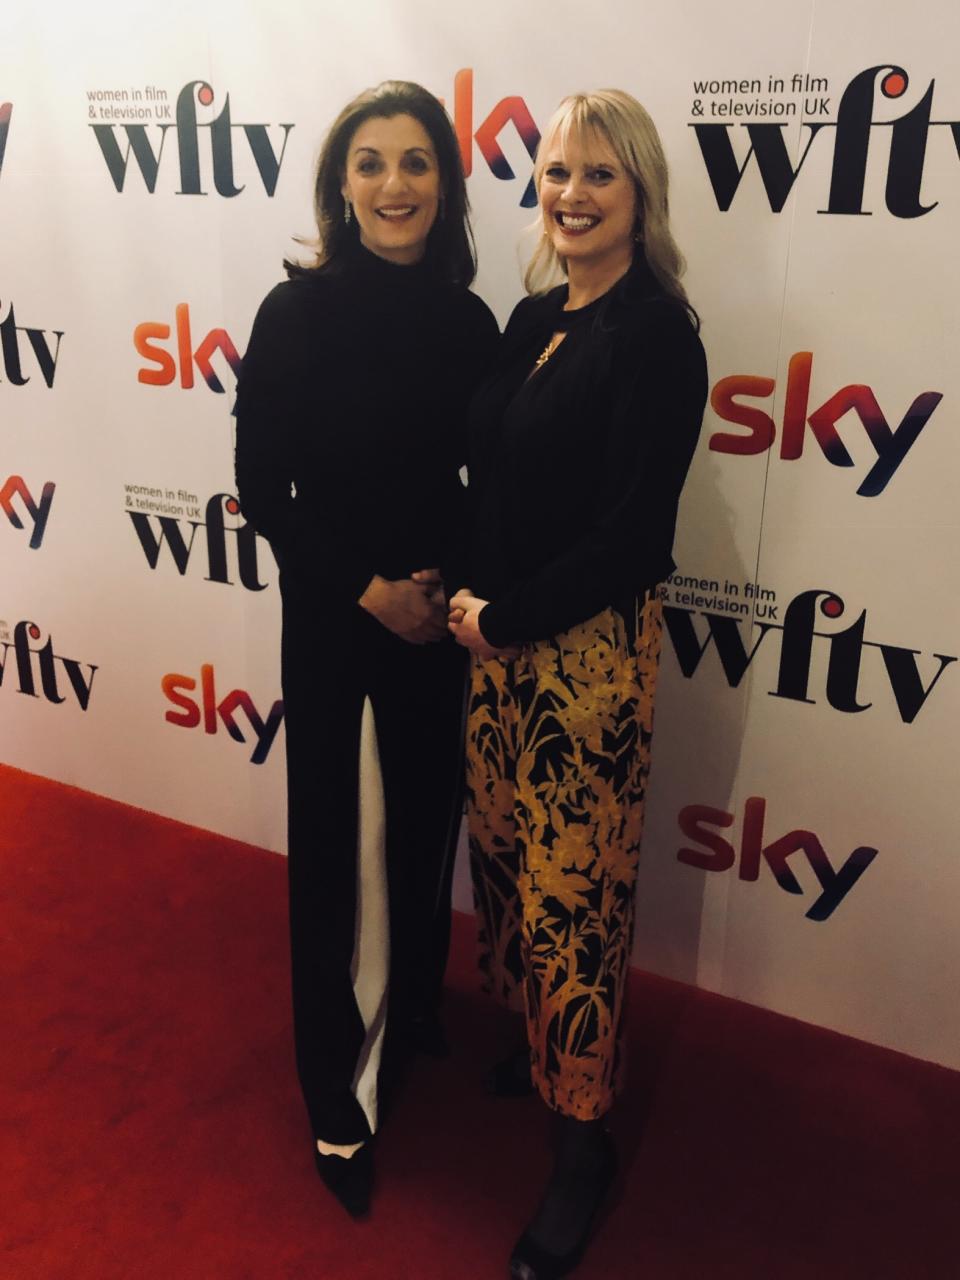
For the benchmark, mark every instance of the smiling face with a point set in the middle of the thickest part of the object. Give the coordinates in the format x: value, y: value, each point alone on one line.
x: 393, y: 181
x: 589, y: 203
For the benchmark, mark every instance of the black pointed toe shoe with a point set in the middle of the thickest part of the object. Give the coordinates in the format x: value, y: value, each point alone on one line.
x: 349, y: 1180
x: 511, y: 1077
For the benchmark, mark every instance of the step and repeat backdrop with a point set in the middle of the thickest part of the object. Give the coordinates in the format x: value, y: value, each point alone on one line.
x: 155, y: 165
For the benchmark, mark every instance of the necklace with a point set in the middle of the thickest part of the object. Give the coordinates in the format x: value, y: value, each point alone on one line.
x: 548, y: 351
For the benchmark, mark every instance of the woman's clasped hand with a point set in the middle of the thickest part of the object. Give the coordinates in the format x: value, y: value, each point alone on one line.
x: 464, y: 624
x: 412, y: 608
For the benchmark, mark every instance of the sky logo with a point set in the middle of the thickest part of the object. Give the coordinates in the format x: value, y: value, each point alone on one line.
x: 14, y: 487
x: 145, y: 339
x: 6, y: 110
x: 207, y: 710
x: 713, y: 853
x: 511, y: 110
x: 892, y: 444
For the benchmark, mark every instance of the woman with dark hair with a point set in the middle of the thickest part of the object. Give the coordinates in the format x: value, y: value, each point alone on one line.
x: 349, y: 412
x: 580, y: 441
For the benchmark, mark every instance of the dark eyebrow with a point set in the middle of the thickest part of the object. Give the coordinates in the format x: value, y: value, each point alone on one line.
x: 409, y: 151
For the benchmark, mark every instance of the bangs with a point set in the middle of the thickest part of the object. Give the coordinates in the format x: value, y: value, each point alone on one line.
x: 577, y: 123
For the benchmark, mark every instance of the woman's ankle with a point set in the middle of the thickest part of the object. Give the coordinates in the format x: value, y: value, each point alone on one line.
x: 345, y: 1151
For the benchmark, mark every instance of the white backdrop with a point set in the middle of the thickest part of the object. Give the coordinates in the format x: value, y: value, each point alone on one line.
x: 154, y: 164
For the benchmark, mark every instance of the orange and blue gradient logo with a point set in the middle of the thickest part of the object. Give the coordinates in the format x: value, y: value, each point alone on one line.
x: 179, y: 362
x: 701, y: 824
x: 6, y: 111
x: 511, y: 110
x: 891, y: 443
x: 36, y: 510
x: 212, y: 712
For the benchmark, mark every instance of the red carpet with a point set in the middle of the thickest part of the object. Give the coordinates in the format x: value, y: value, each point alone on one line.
x: 153, y: 1129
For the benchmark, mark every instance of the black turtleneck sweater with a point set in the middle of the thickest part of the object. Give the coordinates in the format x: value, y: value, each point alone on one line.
x: 576, y: 469
x: 351, y: 409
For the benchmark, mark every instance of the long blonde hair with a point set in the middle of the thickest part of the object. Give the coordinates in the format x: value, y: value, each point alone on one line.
x: 624, y: 123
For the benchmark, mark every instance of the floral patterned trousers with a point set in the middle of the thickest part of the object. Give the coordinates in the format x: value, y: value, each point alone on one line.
x: 558, y: 753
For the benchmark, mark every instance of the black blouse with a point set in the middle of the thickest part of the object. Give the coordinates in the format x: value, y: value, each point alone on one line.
x: 576, y: 470
x: 351, y: 413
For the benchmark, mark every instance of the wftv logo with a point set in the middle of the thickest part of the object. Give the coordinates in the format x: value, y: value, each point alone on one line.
x: 11, y: 351
x: 891, y: 445
x: 26, y: 670
x: 216, y: 340
x: 6, y: 110
x: 187, y: 129
x: 717, y: 854
x: 852, y: 134
x: 157, y: 531
x: 208, y: 709
x: 37, y: 511
x: 798, y: 634
x: 508, y: 110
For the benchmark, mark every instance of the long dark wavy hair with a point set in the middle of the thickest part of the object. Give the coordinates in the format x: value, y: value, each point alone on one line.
x: 450, y: 249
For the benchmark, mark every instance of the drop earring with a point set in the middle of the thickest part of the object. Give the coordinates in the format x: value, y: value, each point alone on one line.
x: 347, y: 209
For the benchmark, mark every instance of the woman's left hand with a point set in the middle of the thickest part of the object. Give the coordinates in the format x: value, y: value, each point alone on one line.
x: 465, y: 627
x: 431, y: 579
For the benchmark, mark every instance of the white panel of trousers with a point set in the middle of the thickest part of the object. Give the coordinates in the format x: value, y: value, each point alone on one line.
x: 370, y: 967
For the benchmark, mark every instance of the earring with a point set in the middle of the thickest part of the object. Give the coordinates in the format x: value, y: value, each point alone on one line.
x: 347, y: 209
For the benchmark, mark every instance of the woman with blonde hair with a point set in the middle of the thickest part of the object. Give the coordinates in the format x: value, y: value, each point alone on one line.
x: 580, y: 442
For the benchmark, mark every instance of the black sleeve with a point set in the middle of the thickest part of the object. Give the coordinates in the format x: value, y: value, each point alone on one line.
x: 275, y: 391
x: 627, y: 546
x: 481, y: 342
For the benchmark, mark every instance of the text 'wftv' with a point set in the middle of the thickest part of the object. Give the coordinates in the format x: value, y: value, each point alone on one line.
x: 146, y: 143
x: 852, y: 132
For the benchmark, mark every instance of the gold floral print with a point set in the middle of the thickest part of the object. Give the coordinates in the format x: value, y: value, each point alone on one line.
x: 558, y: 754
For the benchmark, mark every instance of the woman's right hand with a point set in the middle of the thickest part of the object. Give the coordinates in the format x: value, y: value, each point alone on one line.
x: 406, y: 608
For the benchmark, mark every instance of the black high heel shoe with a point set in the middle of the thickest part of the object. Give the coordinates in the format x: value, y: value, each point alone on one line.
x: 349, y: 1180
x: 426, y: 1035
x: 511, y: 1077
x: 555, y: 1241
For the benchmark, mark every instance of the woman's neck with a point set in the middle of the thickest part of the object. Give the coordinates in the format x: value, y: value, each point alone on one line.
x: 588, y: 281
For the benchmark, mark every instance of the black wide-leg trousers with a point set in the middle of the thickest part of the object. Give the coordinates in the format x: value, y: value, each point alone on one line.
x: 330, y: 667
